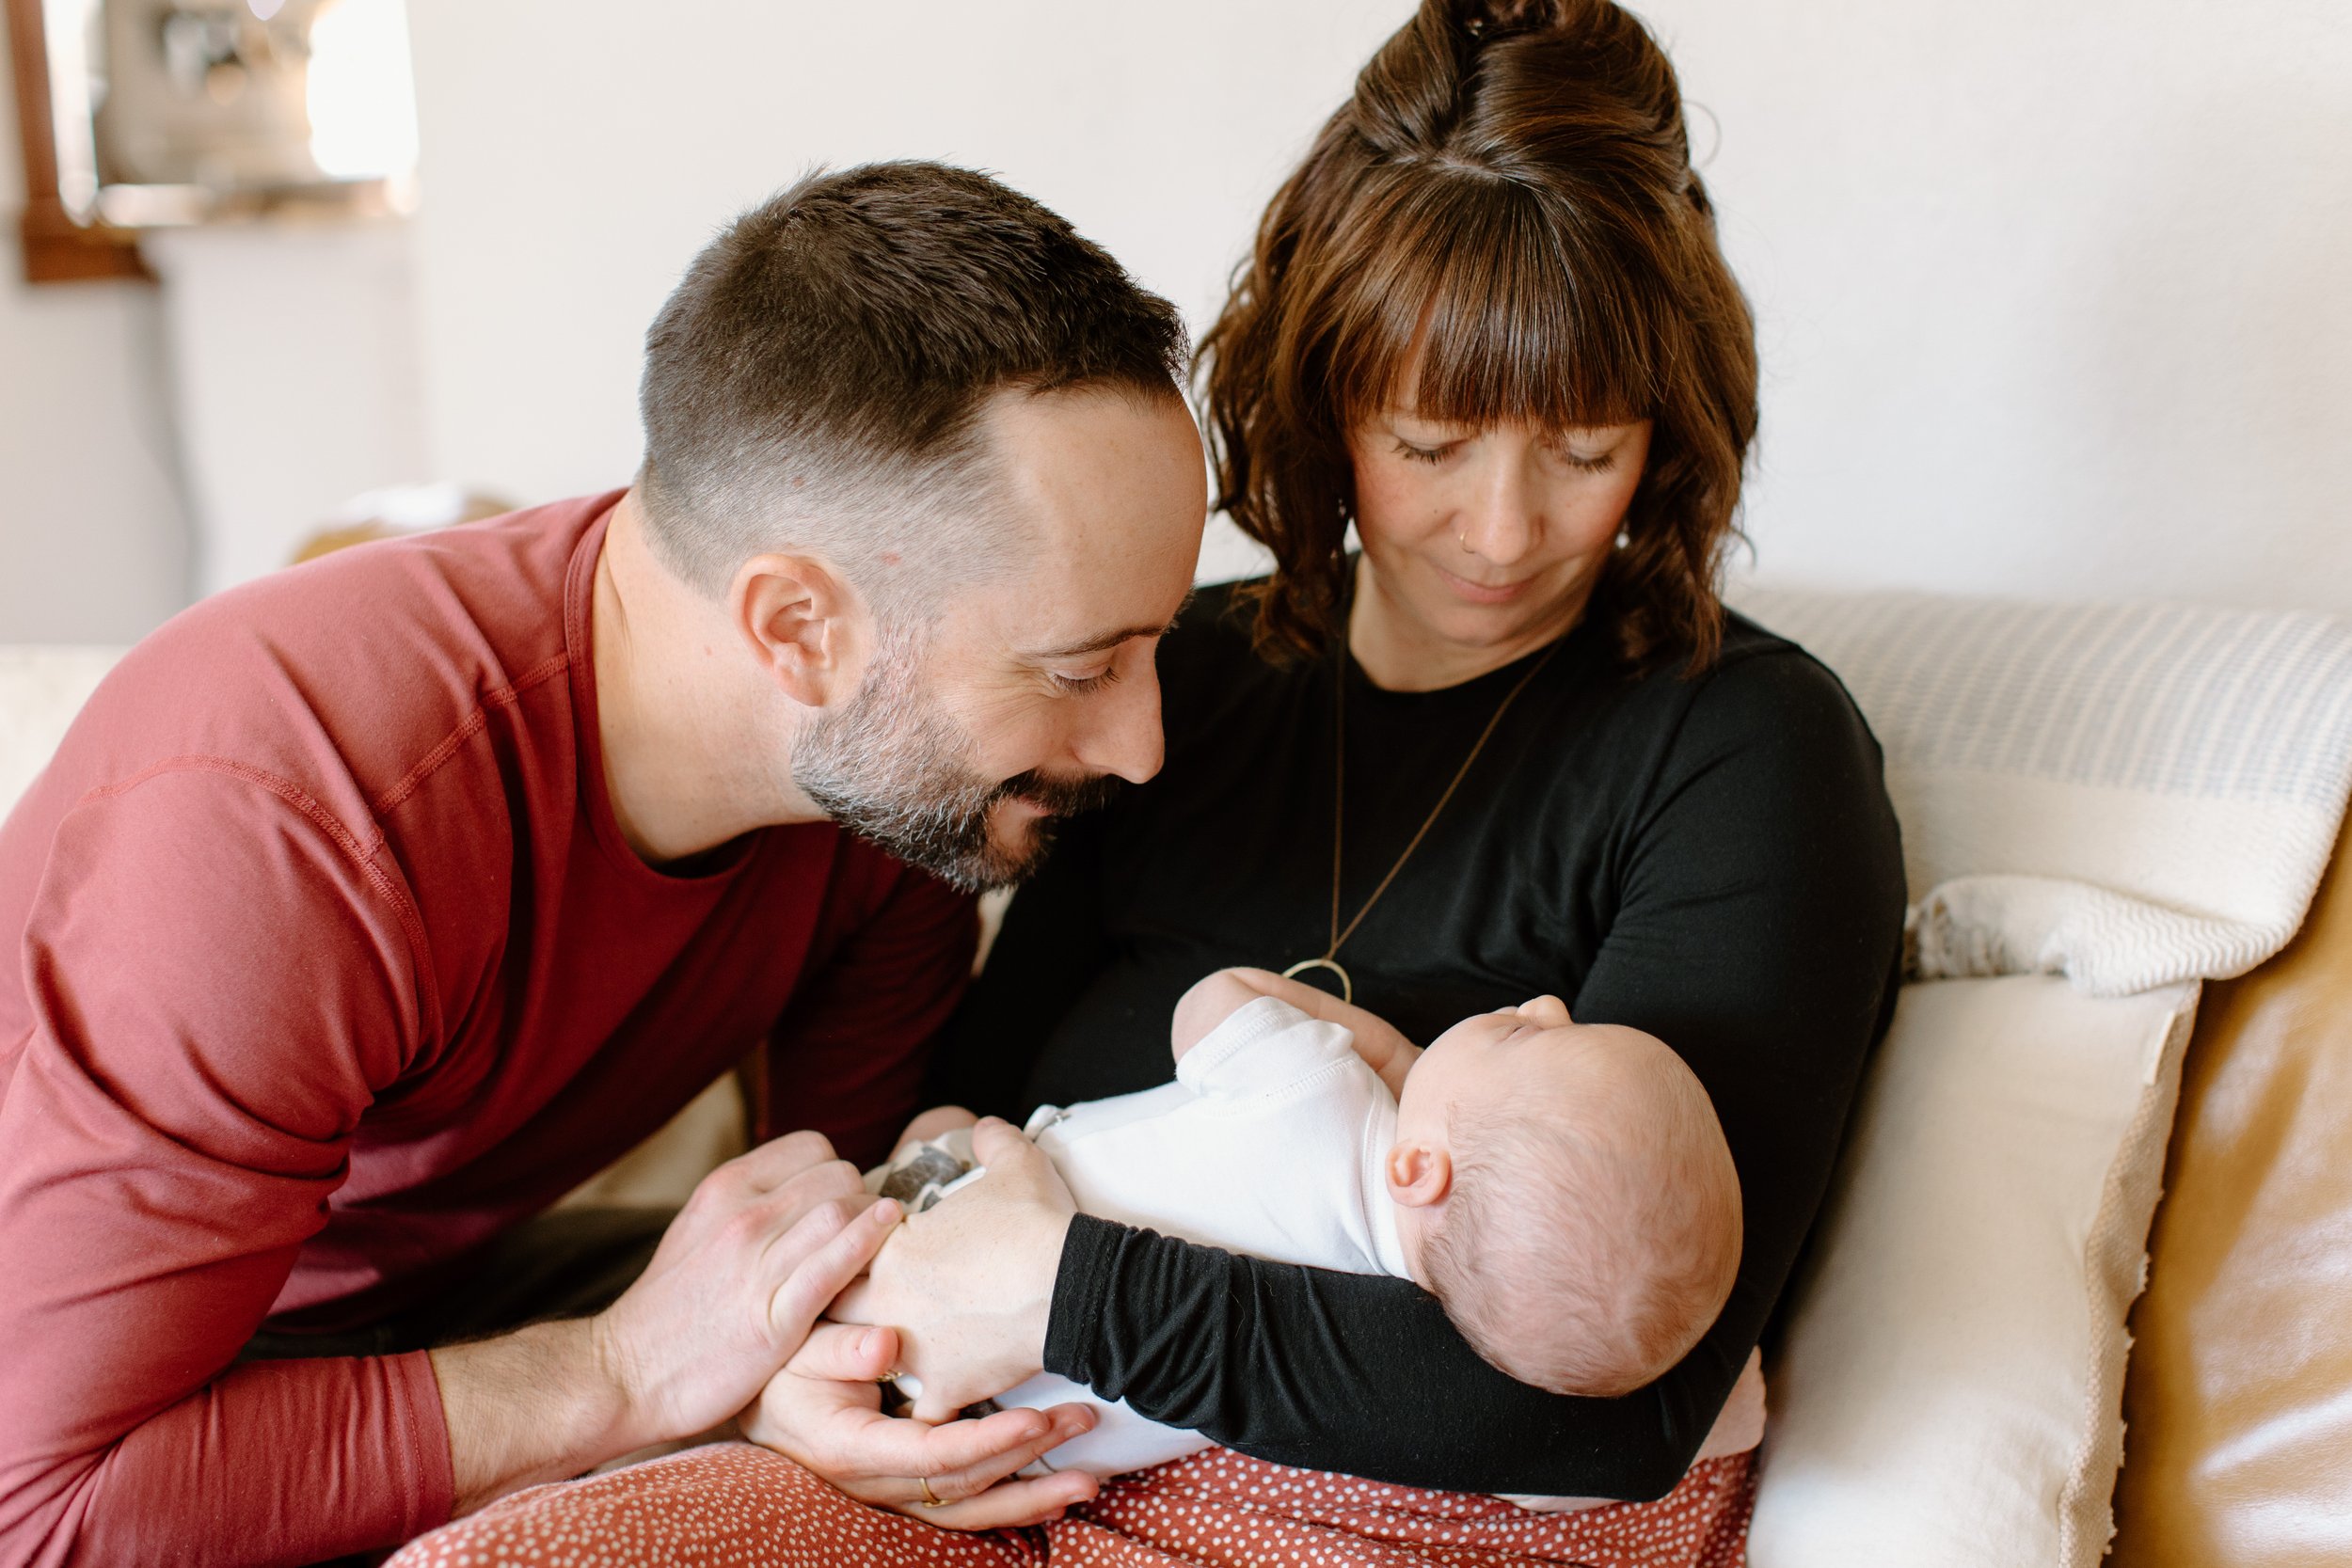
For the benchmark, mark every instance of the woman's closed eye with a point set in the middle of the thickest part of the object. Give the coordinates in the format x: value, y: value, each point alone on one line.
x: 1412, y: 454
x: 1586, y: 462
x: 1583, y: 461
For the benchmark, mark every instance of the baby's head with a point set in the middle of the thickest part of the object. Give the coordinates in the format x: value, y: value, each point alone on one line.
x: 1564, y: 1190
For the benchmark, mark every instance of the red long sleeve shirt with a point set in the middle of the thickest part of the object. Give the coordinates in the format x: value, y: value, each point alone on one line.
x: 332, y: 963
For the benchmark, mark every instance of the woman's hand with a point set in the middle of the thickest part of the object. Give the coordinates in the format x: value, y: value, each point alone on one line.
x: 969, y: 1283
x: 824, y: 1412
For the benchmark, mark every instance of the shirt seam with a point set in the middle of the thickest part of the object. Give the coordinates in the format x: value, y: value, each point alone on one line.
x: 471, y: 725
x: 361, y: 855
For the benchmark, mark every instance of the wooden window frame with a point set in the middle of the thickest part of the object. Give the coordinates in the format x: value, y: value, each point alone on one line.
x: 58, y: 248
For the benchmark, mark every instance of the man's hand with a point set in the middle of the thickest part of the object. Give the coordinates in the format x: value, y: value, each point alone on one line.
x: 969, y: 1283
x: 764, y: 1243
x: 824, y: 1411
x: 741, y: 1276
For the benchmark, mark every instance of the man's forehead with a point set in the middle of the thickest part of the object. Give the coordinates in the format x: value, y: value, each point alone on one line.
x: 1108, y: 491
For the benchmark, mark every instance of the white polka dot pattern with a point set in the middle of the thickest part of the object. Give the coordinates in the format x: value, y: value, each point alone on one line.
x: 732, y: 1505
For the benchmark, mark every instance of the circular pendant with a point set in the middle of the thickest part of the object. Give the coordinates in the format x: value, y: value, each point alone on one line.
x: 1348, y: 987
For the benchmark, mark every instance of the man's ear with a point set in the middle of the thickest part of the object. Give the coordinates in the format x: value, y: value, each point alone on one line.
x: 806, y: 626
x: 1419, y: 1174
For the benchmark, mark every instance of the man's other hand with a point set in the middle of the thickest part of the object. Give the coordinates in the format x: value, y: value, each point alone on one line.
x: 741, y: 1276
x: 824, y: 1412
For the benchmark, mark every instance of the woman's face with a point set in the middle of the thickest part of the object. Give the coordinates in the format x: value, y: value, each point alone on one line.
x: 1489, y: 540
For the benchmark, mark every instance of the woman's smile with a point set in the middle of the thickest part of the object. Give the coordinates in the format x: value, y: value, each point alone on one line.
x: 1481, y: 592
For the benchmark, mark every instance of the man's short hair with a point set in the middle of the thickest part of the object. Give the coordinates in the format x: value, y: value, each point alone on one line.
x: 815, y: 381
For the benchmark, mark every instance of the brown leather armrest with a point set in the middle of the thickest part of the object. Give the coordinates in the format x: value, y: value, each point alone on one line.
x: 2238, y: 1445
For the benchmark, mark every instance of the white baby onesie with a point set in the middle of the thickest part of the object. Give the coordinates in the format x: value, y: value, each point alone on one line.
x: 1271, y: 1142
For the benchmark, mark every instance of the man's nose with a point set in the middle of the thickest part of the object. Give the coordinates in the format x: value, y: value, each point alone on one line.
x: 1502, y: 518
x: 1121, y: 733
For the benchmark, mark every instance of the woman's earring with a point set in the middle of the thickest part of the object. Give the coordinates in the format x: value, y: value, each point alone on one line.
x: 1624, y: 538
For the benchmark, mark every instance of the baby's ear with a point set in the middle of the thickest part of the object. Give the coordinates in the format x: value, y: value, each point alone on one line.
x: 1419, y: 1174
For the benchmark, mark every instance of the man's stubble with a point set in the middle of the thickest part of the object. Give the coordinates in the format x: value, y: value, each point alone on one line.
x: 892, y: 766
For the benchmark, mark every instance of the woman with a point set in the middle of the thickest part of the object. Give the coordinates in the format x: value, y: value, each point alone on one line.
x: 1515, y: 746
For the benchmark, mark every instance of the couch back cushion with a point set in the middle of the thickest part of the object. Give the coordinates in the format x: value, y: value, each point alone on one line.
x: 40, y: 692
x: 2238, y: 1445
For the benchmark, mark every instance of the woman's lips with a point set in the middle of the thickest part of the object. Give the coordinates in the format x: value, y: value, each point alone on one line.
x: 1480, y: 592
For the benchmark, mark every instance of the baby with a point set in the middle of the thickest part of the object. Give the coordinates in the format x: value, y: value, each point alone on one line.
x: 1564, y: 1189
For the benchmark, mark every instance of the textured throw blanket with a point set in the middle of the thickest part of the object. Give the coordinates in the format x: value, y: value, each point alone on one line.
x: 2129, y: 794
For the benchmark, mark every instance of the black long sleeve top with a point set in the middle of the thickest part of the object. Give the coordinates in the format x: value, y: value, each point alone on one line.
x: 1709, y: 859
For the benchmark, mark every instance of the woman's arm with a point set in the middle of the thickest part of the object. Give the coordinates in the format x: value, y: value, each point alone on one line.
x: 1758, y: 931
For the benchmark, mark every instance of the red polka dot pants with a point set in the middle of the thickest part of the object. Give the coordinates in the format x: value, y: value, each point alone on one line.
x: 733, y: 1504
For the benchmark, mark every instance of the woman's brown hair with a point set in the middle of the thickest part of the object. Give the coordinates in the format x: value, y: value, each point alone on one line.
x: 1508, y: 196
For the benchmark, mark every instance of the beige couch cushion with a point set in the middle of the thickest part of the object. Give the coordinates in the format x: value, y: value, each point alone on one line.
x: 40, y: 692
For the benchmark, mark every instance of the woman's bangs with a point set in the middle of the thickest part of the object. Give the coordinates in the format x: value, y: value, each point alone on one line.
x: 1482, y: 319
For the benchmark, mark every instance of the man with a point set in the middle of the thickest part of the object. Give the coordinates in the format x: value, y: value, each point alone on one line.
x: 370, y: 908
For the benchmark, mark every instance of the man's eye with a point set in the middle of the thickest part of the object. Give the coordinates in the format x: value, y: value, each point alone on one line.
x: 1080, y: 685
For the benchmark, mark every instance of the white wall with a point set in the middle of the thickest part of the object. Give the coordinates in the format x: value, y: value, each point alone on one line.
x: 2053, y: 298
x: 93, y: 541
x: 294, y: 356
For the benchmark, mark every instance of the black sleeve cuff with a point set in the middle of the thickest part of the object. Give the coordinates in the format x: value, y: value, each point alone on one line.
x: 1088, y: 1259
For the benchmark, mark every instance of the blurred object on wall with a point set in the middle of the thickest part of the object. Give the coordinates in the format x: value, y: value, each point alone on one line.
x: 397, y: 510
x: 200, y: 110
x: 163, y: 113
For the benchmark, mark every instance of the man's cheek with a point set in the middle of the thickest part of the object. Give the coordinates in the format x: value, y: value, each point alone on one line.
x: 1028, y: 742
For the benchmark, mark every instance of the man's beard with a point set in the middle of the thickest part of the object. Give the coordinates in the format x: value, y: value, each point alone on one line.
x: 891, y: 767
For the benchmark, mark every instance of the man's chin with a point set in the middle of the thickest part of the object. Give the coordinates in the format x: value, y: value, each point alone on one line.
x: 1020, y: 836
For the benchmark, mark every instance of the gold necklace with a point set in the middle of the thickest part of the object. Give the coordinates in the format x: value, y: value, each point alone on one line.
x: 1331, y: 958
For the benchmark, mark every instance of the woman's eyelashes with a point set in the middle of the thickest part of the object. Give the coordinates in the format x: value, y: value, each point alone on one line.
x: 1583, y: 463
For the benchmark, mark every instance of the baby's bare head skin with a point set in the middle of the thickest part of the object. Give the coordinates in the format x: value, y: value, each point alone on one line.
x: 1565, y: 1191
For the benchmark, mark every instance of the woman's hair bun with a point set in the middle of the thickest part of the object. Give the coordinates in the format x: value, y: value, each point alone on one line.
x: 1488, y: 19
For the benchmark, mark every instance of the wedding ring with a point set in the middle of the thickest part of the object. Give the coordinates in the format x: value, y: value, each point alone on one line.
x: 931, y: 1498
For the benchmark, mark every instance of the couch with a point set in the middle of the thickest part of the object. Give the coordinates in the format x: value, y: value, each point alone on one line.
x: 2239, y: 1396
